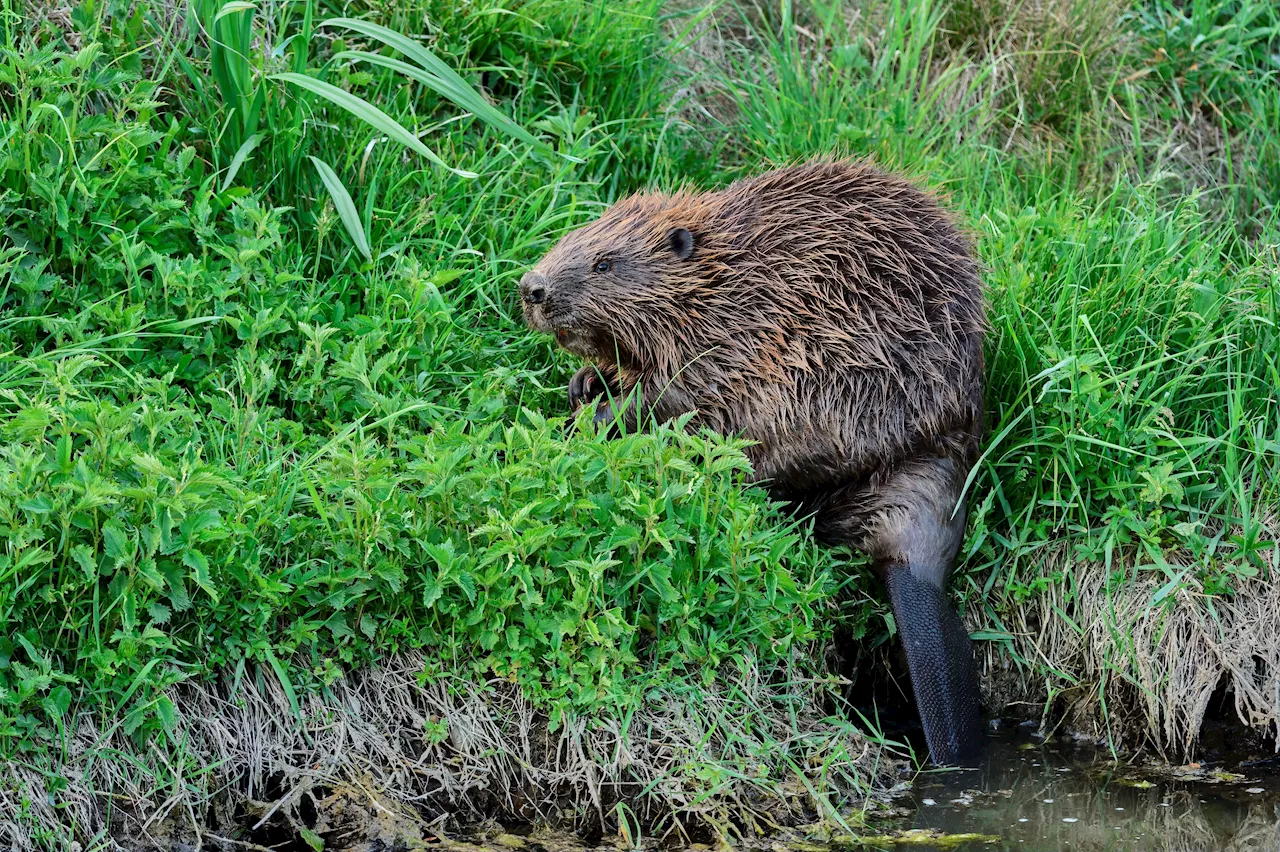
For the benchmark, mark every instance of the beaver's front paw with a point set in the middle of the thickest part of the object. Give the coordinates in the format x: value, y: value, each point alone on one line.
x: 587, y: 385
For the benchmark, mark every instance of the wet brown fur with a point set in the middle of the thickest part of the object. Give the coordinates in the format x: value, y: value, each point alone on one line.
x: 830, y: 312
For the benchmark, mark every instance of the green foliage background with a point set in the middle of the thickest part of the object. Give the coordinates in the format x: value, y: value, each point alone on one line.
x: 228, y: 438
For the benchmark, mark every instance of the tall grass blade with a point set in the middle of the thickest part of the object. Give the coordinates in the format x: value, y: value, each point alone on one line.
x: 242, y: 154
x: 345, y: 206
x: 230, y: 44
x: 300, y: 51
x: 285, y: 683
x: 437, y: 75
x: 369, y: 114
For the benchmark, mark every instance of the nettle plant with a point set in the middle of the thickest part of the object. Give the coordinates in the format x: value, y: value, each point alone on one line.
x: 261, y: 74
x: 584, y: 570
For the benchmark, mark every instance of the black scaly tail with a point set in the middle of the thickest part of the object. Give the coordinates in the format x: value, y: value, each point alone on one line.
x: 940, y: 659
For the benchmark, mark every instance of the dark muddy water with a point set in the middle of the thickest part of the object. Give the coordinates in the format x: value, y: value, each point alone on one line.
x: 1033, y: 797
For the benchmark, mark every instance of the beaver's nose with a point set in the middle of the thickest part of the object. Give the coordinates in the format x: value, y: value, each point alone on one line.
x: 533, y: 288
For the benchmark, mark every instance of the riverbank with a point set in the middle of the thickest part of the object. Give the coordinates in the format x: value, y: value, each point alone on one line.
x: 343, y: 785
x: 745, y: 755
x: 276, y: 448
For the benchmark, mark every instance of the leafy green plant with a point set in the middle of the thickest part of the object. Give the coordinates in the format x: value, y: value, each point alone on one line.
x: 582, y: 570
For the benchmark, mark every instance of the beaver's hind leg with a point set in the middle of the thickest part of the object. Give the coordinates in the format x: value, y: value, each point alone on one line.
x: 912, y: 529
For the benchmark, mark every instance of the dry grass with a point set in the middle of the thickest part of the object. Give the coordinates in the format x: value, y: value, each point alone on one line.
x: 741, y: 758
x: 1057, y: 55
x: 1131, y: 670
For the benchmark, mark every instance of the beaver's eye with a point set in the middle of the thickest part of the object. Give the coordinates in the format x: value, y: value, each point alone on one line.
x: 604, y: 266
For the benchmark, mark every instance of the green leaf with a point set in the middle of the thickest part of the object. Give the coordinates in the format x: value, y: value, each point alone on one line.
x: 40, y: 504
x: 467, y: 583
x: 1168, y: 588
x: 199, y: 565
x: 369, y: 114
x: 231, y: 8
x: 447, y: 276
x: 148, y: 463
x: 59, y: 701
x: 990, y: 636
x: 344, y: 205
x: 174, y: 326
x: 443, y: 553
x: 431, y: 591
x: 453, y: 89
x: 84, y: 558
x: 237, y: 161
x: 115, y: 541
x: 285, y: 683
x: 313, y: 840
x: 168, y: 716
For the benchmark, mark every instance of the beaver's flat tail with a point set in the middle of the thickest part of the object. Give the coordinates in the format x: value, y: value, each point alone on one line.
x: 940, y: 659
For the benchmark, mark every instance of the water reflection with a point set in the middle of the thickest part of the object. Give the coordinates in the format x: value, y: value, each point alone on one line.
x: 1038, y: 798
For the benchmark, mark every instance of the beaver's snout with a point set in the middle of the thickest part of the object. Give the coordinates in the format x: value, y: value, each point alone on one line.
x: 533, y: 288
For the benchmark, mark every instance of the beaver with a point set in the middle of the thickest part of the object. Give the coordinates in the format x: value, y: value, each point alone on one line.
x: 832, y: 314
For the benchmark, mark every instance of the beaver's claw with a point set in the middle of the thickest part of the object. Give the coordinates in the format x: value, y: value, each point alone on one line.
x: 586, y: 386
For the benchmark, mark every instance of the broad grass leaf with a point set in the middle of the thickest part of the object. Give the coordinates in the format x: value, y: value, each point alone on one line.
x: 242, y: 154
x: 369, y: 114
x: 344, y: 205
x: 438, y: 76
x: 477, y: 106
x: 285, y: 683
x: 231, y: 8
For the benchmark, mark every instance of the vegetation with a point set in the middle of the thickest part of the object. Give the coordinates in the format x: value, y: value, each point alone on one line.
x: 267, y: 407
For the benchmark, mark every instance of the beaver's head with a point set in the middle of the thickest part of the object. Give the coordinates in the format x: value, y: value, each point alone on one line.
x: 618, y: 287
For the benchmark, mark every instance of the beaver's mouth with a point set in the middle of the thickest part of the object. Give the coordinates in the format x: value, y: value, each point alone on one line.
x: 576, y: 341
x: 570, y: 336
x: 538, y: 318
x: 591, y: 344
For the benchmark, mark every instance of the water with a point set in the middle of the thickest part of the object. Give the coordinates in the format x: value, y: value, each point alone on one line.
x: 1032, y: 797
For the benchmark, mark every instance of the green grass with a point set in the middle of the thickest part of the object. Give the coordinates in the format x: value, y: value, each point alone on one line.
x: 230, y: 435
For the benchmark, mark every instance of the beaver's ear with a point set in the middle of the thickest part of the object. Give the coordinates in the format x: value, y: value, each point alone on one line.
x: 681, y: 242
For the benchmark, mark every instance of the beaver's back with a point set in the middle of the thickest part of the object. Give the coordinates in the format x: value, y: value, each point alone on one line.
x: 843, y: 327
